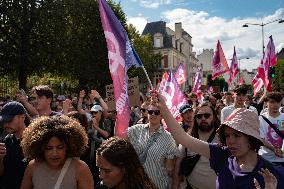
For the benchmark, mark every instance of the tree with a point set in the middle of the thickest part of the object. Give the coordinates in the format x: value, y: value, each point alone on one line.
x: 278, y: 81
x: 144, y: 47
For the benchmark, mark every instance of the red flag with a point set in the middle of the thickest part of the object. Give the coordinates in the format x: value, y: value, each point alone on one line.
x: 180, y: 74
x: 219, y: 63
x: 234, y: 70
x: 174, y: 97
x: 259, y: 78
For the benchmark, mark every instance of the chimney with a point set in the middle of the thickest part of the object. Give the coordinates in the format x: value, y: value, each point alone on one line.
x: 178, y: 30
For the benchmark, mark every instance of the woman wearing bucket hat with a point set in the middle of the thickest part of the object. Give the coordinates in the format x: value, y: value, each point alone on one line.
x: 235, y: 159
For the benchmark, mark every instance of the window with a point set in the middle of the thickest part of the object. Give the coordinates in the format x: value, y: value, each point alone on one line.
x: 157, y: 42
x: 166, y: 62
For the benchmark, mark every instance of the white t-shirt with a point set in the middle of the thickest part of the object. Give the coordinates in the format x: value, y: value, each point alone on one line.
x: 269, y: 135
x: 226, y: 111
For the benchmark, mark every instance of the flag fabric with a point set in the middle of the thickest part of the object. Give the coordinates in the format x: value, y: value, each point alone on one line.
x: 241, y: 81
x: 174, y: 97
x: 197, y: 82
x: 122, y: 56
x: 269, y: 60
x: 210, y: 90
x: 234, y: 70
x: 219, y: 63
x: 180, y: 74
x: 259, y: 78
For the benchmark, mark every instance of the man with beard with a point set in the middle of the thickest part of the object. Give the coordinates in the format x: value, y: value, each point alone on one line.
x: 204, y: 128
x: 240, y: 97
x: 12, y: 162
x: 273, y: 142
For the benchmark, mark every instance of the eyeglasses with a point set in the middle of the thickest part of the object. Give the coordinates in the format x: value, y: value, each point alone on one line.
x: 143, y: 110
x: 206, y: 115
x: 156, y: 112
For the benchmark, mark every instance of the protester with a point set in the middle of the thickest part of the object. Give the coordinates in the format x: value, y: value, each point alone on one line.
x: 235, y: 159
x: 228, y: 99
x: 240, y: 93
x: 143, y: 113
x: 155, y: 147
x: 186, y: 113
x: 43, y: 96
x: 201, y: 176
x: 120, y: 166
x: 12, y: 162
x: 52, y: 144
x: 272, y: 129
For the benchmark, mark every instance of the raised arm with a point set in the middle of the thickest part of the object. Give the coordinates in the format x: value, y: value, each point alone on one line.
x: 178, y: 133
x: 95, y: 94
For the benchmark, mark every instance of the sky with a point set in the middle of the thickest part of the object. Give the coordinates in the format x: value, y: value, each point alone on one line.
x: 210, y: 20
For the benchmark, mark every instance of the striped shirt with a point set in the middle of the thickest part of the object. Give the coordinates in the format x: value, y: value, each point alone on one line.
x: 164, y: 148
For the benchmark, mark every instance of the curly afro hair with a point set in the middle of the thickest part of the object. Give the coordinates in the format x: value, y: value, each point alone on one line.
x: 40, y: 131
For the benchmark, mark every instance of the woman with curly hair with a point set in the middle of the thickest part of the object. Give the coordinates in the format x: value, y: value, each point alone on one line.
x: 120, y: 166
x: 52, y: 144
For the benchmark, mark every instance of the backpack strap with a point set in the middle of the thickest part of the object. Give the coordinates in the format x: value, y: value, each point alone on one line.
x: 273, y: 126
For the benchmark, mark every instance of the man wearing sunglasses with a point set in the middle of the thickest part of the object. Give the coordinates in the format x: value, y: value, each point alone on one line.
x: 204, y: 128
x: 155, y: 147
x: 143, y: 113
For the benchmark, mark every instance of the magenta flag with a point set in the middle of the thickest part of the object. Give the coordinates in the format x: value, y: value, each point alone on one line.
x: 174, y: 97
x: 234, y: 70
x: 259, y: 78
x: 241, y: 81
x: 219, y: 63
x: 180, y: 74
x: 121, y: 57
x: 197, y: 82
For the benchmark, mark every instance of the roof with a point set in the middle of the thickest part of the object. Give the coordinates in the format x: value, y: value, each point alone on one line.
x: 280, y: 55
x: 158, y: 27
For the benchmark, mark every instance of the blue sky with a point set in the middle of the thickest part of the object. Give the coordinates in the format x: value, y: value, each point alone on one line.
x: 210, y: 20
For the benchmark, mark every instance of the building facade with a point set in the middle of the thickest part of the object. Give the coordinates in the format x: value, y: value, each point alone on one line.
x: 175, y: 48
x: 205, y: 62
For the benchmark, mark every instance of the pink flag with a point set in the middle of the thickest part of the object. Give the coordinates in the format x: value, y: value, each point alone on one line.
x: 180, y: 74
x: 259, y: 78
x: 121, y: 56
x: 197, y: 82
x: 269, y: 60
x: 174, y: 97
x: 219, y: 63
x: 241, y: 81
x: 234, y: 70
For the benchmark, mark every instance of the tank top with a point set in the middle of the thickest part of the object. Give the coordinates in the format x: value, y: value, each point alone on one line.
x: 45, y: 178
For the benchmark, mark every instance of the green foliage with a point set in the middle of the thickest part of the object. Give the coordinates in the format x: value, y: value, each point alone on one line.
x: 278, y: 80
x: 144, y: 48
x: 219, y: 81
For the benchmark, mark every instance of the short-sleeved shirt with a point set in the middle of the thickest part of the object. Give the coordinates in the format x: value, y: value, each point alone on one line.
x: 269, y: 135
x: 230, y: 174
x: 163, y: 148
x: 14, y: 164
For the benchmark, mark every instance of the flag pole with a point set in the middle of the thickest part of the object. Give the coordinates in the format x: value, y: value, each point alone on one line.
x: 147, y: 76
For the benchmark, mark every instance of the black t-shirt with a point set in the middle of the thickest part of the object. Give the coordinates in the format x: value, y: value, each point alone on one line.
x: 14, y: 164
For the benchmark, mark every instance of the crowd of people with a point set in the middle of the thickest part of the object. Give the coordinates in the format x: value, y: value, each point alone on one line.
x: 226, y: 140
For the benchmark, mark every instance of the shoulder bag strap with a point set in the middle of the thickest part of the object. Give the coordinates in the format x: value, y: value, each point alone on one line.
x: 273, y: 127
x: 62, y: 173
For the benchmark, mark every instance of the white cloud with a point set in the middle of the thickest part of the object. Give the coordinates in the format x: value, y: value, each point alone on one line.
x: 153, y: 4
x: 139, y: 22
x: 206, y: 30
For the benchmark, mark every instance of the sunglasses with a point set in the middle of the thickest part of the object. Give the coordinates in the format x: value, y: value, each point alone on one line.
x: 143, y: 110
x: 156, y: 112
x: 206, y: 115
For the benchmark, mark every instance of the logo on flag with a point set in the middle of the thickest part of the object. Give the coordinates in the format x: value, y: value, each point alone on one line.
x: 122, y: 56
x: 234, y: 70
x: 180, y: 74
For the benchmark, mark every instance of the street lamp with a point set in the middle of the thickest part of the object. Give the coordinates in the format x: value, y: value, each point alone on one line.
x: 262, y: 25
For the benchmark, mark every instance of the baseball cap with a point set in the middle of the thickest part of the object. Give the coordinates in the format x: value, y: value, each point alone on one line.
x: 245, y: 121
x: 185, y: 108
x: 96, y: 108
x: 10, y: 110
